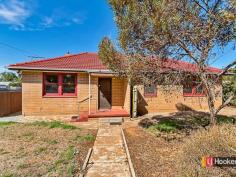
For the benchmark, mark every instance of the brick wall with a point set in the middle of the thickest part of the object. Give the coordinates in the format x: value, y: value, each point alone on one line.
x: 35, y: 104
x: 171, y: 100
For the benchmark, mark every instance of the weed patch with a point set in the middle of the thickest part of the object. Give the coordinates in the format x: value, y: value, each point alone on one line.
x: 166, y: 126
x: 88, y: 137
x: 7, y: 174
x: 40, y: 150
x: 4, y: 124
x: 22, y: 166
x: 54, y: 124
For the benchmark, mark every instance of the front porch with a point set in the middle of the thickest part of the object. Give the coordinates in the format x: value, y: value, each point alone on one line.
x: 102, y: 95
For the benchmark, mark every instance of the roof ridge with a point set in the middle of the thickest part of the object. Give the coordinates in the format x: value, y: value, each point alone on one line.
x: 49, y: 59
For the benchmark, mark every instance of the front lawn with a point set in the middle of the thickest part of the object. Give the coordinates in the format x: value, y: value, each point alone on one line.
x: 43, y: 149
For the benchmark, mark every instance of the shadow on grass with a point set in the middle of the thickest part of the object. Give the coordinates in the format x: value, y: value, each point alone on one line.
x: 183, y: 121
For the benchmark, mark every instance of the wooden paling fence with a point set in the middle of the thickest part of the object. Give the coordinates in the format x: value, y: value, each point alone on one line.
x: 10, y: 102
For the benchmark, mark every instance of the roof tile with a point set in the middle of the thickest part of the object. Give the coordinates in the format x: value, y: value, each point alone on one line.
x: 91, y: 61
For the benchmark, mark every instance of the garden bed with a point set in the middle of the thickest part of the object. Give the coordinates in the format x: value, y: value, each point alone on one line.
x: 174, y: 145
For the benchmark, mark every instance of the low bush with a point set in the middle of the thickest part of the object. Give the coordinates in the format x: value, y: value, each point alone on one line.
x: 166, y: 126
x: 218, y: 141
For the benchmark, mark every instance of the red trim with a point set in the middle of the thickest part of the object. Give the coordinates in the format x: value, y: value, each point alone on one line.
x: 194, y: 93
x: 151, y: 94
x: 60, y: 84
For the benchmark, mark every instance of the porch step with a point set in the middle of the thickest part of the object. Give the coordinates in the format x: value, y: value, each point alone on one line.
x: 107, y: 115
x: 112, y: 120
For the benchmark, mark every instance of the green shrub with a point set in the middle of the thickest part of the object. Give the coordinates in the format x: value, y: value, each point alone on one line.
x: 216, y: 142
x: 166, y: 126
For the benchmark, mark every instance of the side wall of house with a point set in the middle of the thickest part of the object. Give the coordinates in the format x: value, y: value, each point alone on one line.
x: 35, y: 104
x: 172, y: 100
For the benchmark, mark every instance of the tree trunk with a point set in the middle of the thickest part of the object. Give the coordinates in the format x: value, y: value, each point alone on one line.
x: 212, y: 118
x: 210, y: 99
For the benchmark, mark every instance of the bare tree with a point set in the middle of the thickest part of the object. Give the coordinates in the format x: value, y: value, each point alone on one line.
x: 188, y: 30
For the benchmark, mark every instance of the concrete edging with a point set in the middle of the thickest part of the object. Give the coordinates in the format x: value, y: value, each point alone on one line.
x: 131, y: 167
x: 86, y: 162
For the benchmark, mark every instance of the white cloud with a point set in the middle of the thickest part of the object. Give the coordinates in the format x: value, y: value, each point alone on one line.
x: 21, y: 15
x: 14, y: 12
x: 3, y: 69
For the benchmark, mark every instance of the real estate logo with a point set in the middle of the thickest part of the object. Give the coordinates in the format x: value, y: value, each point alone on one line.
x: 207, y: 161
x: 218, y: 161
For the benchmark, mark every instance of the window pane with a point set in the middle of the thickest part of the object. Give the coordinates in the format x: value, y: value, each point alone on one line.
x: 150, y: 89
x: 52, y: 78
x: 69, y: 79
x: 199, y: 89
x: 52, y: 88
x: 187, y: 89
x: 68, y: 88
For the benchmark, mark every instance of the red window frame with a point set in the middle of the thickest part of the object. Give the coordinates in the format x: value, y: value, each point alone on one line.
x: 194, y: 92
x: 60, y: 85
x: 154, y: 94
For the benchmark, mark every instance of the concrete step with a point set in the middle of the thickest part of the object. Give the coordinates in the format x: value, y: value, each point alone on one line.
x: 112, y: 120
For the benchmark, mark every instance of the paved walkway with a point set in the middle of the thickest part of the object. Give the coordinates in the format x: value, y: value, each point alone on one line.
x: 108, y: 158
x: 12, y: 118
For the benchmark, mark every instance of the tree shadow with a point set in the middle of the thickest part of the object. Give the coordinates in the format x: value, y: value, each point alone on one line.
x: 185, y: 120
x: 142, y: 110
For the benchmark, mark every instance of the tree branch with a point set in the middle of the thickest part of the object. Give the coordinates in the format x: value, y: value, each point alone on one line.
x: 225, y: 103
x: 227, y: 68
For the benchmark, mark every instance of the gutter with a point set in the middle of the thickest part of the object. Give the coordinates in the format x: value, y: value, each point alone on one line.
x: 61, y: 69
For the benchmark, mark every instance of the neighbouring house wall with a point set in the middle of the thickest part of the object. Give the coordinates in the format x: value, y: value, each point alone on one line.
x: 172, y: 100
x: 35, y: 104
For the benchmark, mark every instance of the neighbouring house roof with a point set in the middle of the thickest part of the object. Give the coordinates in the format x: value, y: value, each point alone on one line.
x: 90, y: 62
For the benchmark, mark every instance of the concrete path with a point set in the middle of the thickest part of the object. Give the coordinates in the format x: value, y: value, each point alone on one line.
x: 108, y: 158
x: 12, y: 118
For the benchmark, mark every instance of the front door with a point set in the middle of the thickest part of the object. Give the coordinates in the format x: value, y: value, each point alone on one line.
x: 104, y: 93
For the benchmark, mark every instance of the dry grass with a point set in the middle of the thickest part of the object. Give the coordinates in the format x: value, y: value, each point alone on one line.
x: 152, y: 156
x: 43, y: 149
x: 174, y: 145
x: 219, y: 141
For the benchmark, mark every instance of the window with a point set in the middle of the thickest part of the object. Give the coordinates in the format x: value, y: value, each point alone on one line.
x: 68, y: 84
x: 59, y: 84
x: 193, y: 89
x: 51, y: 84
x: 150, y: 90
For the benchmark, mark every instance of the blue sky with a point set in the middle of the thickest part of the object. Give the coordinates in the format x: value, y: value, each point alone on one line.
x: 50, y: 28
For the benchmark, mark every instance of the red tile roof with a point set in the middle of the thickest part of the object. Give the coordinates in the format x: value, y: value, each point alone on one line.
x: 82, y: 61
x: 189, y: 67
x: 91, y: 61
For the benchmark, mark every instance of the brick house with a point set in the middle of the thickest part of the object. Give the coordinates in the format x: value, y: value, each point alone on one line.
x: 81, y: 85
